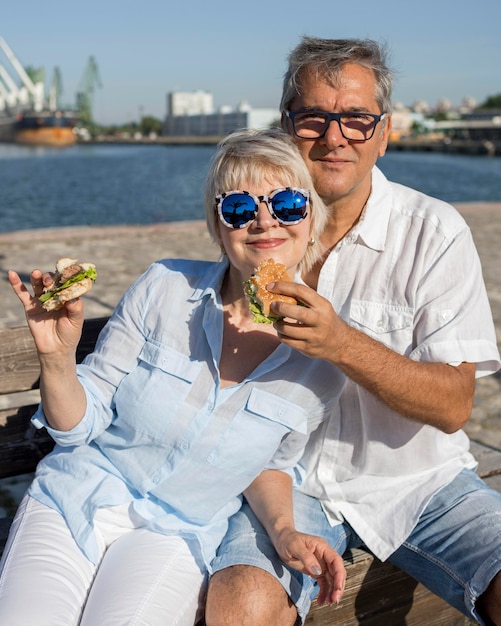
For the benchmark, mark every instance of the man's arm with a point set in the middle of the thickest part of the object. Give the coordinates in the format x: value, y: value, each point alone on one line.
x: 437, y: 394
x: 270, y: 497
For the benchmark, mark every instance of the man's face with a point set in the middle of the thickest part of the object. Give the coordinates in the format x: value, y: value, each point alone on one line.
x: 341, y: 169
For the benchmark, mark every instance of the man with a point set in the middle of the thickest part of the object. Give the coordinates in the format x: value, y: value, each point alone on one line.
x: 405, y: 315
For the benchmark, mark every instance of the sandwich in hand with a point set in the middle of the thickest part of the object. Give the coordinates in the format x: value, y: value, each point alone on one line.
x: 259, y: 297
x: 71, y: 281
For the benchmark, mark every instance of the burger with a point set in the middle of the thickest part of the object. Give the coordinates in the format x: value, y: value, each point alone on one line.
x: 259, y: 297
x: 71, y: 280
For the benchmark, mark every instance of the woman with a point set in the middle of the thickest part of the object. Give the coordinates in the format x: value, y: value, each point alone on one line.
x: 185, y: 404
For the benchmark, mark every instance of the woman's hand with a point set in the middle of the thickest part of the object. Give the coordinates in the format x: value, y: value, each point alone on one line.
x: 56, y: 336
x: 312, y: 555
x: 55, y: 332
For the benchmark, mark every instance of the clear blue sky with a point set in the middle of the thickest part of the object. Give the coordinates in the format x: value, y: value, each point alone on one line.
x: 237, y: 50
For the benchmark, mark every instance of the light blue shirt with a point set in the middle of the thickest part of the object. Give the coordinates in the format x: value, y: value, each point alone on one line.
x: 159, y: 432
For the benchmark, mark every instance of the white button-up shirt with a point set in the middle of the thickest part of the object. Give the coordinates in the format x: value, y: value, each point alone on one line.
x: 409, y: 276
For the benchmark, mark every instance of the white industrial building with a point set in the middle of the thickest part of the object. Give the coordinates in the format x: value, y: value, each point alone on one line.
x: 193, y: 114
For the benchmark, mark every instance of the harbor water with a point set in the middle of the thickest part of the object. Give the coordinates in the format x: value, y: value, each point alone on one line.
x: 146, y: 184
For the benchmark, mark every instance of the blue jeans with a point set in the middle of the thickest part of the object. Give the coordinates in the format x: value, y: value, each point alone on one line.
x: 455, y: 549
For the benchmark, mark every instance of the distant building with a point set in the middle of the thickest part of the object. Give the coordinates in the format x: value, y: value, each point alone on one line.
x: 189, y: 103
x: 443, y: 105
x: 467, y: 105
x: 421, y: 106
x: 403, y: 121
x: 193, y: 114
x: 480, y: 125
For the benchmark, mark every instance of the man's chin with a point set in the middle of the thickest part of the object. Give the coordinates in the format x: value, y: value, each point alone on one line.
x: 330, y: 186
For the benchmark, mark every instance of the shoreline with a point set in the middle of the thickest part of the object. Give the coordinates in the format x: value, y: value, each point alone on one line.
x: 174, y: 226
x: 104, y: 230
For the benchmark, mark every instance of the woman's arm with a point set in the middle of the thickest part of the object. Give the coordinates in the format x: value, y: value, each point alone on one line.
x: 270, y: 497
x: 56, y: 336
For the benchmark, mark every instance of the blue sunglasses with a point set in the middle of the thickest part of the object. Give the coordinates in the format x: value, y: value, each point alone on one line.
x: 237, y: 209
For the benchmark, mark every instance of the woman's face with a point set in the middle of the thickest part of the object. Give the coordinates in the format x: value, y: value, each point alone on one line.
x: 265, y: 237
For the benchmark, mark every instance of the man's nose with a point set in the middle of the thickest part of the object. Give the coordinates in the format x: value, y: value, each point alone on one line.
x: 333, y: 135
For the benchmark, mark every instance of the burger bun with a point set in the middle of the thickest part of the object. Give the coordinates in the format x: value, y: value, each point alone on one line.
x: 268, y: 271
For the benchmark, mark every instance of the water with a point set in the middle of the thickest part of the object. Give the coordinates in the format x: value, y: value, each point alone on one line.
x: 450, y: 177
x: 110, y: 184
x: 100, y: 184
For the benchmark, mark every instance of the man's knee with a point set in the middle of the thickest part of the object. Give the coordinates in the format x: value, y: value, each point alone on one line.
x: 247, y: 595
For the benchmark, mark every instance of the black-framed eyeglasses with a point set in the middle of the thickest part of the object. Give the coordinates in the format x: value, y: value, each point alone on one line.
x: 354, y: 126
x: 238, y: 208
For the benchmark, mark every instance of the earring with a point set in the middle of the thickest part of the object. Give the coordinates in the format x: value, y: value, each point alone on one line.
x: 311, y: 242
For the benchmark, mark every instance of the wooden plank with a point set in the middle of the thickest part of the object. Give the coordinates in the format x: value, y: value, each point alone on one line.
x: 19, y: 369
x: 379, y: 594
x: 488, y: 459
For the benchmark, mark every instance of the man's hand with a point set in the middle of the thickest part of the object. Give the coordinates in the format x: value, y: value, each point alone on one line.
x: 432, y: 393
x: 313, y: 329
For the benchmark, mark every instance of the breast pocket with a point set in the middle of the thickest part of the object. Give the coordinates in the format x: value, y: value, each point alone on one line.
x: 255, y: 433
x: 149, y: 398
x: 387, y: 323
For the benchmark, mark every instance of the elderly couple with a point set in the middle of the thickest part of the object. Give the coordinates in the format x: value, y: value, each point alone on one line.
x: 200, y: 455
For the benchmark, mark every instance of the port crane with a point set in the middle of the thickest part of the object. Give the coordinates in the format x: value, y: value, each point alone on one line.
x: 30, y: 92
x: 89, y: 82
x: 56, y: 90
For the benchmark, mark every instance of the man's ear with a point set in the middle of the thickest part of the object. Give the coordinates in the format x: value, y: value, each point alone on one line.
x: 284, y: 122
x: 385, y: 136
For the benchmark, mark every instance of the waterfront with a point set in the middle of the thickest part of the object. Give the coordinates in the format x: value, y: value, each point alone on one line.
x: 137, y: 184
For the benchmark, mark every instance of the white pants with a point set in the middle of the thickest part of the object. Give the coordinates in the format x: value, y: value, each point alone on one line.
x: 143, y: 578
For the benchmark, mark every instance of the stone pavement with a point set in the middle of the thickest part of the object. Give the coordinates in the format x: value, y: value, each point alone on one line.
x: 121, y: 253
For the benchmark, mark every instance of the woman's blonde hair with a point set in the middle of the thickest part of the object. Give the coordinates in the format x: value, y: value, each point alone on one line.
x: 248, y: 157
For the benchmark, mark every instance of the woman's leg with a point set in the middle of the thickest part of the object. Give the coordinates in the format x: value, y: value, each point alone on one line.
x: 146, y: 578
x: 45, y: 577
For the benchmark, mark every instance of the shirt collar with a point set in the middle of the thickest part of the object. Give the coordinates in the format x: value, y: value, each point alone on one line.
x: 211, y: 281
x: 372, y: 227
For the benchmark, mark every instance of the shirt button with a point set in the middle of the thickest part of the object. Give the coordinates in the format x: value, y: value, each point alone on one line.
x: 210, y: 407
x: 380, y: 324
x: 156, y: 479
x: 185, y: 445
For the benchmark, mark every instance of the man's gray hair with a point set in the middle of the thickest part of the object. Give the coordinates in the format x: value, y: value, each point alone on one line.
x: 324, y: 58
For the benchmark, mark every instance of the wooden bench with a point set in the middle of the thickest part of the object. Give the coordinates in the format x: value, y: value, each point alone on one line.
x: 376, y: 593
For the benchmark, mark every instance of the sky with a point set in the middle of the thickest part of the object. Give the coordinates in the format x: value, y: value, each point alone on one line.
x: 237, y: 50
